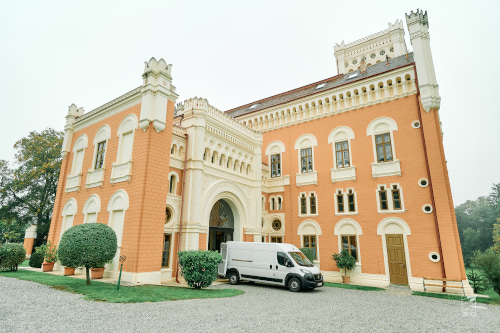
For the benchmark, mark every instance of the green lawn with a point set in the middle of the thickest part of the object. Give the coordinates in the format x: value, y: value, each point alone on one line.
x: 100, y: 291
x: 352, y: 286
x: 490, y: 292
x: 25, y: 263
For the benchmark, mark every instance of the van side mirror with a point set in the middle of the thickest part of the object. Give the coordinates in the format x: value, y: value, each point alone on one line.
x: 288, y: 264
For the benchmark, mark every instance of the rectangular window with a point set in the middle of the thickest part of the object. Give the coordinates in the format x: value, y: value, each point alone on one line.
x: 99, y: 158
x: 306, y: 160
x: 396, y: 197
x: 312, y: 203
x: 349, y: 243
x: 303, y: 207
x: 383, y: 147
x: 310, y: 243
x: 340, y: 202
x: 126, y: 147
x: 276, y: 240
x: 276, y: 165
x: 342, y: 153
x: 166, y: 252
x: 383, y: 198
x: 350, y: 200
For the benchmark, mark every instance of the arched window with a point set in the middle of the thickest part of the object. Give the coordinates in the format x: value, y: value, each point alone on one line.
x: 68, y: 214
x: 117, y: 206
x: 384, y: 153
x: 305, y: 148
x: 348, y: 232
x: 95, y: 175
x: 122, y: 168
x: 91, y: 208
x: 73, y: 180
x: 274, y: 151
x: 309, y: 232
x: 343, y: 168
x: 173, y: 180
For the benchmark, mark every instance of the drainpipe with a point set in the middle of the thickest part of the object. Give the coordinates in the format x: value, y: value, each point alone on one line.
x: 430, y: 182
x: 179, y: 234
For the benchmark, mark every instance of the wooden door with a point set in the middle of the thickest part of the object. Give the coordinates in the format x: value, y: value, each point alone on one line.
x: 396, y: 258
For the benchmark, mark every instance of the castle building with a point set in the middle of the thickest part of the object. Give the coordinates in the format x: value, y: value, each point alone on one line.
x: 354, y: 161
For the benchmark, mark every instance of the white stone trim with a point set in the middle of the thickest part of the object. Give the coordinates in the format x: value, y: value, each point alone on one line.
x: 310, y: 228
x: 390, y: 200
x: 349, y: 227
x: 345, y: 201
x: 91, y: 206
x: 378, y: 126
x: 420, y: 182
x: 431, y: 254
x: 427, y: 205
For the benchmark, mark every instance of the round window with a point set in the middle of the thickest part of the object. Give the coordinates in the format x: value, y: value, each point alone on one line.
x: 363, y: 59
x: 434, y: 257
x: 168, y: 215
x: 423, y: 182
x: 372, y: 55
x: 392, y: 49
x: 415, y: 124
x: 354, y: 62
x: 276, y: 225
x: 382, y: 52
x: 427, y: 209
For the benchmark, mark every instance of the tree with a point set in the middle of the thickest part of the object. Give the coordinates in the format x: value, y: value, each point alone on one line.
x: 489, y: 263
x: 89, y: 245
x: 27, y: 193
x: 496, y: 237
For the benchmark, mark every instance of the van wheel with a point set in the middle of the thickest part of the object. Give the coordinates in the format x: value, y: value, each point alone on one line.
x: 234, y: 279
x: 294, y: 284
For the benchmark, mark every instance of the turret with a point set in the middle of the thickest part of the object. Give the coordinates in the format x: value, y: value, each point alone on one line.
x: 418, y: 26
x: 157, y: 89
x: 73, y: 113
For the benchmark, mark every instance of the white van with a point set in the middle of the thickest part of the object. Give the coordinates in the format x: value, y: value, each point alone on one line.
x: 273, y: 263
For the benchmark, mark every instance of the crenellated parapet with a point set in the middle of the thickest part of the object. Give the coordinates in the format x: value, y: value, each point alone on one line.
x: 418, y: 27
x: 371, y: 49
x: 196, y: 105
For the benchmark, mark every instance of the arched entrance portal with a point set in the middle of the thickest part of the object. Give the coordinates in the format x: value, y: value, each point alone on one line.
x: 221, y: 225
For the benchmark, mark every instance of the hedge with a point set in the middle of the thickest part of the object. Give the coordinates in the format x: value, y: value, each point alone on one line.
x: 199, y: 268
x: 11, y: 255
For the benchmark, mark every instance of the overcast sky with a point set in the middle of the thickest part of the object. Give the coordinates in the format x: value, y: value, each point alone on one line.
x: 54, y: 53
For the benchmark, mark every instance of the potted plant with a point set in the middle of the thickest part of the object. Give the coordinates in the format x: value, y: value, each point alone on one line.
x: 96, y: 273
x: 50, y: 256
x: 345, y: 261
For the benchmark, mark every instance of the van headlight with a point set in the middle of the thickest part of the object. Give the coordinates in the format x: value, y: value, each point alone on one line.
x: 305, y: 271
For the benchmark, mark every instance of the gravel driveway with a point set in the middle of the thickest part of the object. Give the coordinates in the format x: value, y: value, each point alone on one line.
x: 30, y: 307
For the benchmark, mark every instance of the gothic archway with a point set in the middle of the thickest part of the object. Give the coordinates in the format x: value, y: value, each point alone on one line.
x: 221, y: 225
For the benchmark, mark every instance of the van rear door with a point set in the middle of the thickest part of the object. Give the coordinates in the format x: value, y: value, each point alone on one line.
x: 223, y: 264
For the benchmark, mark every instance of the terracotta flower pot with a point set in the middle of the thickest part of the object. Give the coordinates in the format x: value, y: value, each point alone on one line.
x: 97, y: 273
x: 346, y: 279
x: 47, y: 266
x: 69, y: 271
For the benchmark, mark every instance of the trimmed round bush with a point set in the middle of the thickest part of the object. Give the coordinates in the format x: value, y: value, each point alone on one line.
x: 36, y: 260
x: 89, y: 245
x: 199, y: 268
x: 11, y: 255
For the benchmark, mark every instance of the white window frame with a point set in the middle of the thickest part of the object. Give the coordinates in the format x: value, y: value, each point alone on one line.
x: 310, y: 228
x: 348, y: 227
x: 378, y: 126
x: 340, y: 134
x: 274, y: 148
x: 308, y: 178
x: 121, y: 169
x: 92, y: 206
x: 345, y: 201
x: 390, y: 201
x: 176, y: 179
x: 308, y: 204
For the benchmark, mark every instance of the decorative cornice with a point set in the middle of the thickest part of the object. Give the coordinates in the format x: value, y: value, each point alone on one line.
x: 115, y: 106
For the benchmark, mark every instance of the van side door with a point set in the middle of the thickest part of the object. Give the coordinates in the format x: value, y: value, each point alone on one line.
x: 283, y: 266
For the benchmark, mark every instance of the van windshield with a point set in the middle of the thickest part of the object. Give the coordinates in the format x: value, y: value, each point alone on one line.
x: 301, y: 259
